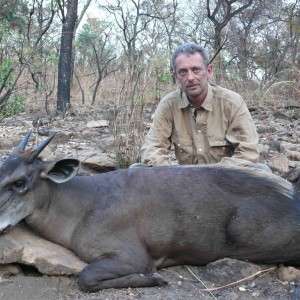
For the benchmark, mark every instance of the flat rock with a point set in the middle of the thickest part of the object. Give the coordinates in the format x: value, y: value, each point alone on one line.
x: 279, y: 163
x: 288, y: 273
x: 97, y: 124
x: 96, y: 160
x: 228, y: 270
x: 20, y: 245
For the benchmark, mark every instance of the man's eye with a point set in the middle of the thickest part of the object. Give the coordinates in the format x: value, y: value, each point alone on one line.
x: 196, y: 70
x: 182, y: 72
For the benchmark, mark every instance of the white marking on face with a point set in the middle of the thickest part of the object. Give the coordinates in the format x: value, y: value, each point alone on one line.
x: 7, y: 222
x: 13, y: 214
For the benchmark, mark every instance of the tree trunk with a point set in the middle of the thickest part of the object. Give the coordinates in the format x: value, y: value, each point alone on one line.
x: 65, y: 57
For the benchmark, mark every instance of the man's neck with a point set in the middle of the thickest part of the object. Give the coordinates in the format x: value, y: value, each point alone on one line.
x: 197, y: 102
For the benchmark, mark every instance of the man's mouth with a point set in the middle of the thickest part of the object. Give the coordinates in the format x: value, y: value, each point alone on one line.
x: 191, y: 86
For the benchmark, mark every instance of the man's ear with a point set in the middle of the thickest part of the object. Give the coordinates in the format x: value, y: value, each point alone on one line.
x: 209, y: 71
x: 61, y: 170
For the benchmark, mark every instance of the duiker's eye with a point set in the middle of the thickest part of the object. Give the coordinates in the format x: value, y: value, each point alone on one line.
x: 19, y: 184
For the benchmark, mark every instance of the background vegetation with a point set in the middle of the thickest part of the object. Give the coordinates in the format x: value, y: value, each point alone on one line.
x: 57, y: 54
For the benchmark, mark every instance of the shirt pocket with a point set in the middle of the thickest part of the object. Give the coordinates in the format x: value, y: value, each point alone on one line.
x: 183, y: 149
x: 220, y: 149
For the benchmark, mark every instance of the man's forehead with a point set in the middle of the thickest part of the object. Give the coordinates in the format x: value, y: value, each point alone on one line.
x: 187, y: 58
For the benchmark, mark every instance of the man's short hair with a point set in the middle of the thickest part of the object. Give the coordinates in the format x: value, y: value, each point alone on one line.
x: 190, y: 48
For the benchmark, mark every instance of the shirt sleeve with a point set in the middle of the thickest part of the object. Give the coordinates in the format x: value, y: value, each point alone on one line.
x: 243, y: 136
x: 154, y: 151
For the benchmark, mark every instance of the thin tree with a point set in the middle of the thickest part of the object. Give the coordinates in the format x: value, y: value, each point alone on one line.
x: 223, y: 11
x: 65, y: 57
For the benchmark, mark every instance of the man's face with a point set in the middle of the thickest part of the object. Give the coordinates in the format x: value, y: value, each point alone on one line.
x: 192, y: 75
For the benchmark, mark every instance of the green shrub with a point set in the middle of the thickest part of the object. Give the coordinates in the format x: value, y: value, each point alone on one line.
x: 14, y: 106
x: 5, y: 67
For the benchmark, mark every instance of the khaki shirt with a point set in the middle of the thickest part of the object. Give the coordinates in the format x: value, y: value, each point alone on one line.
x: 221, y: 130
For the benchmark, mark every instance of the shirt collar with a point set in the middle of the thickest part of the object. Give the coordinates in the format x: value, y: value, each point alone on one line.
x: 207, y: 103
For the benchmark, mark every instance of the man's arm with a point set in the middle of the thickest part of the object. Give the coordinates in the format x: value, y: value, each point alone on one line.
x: 243, y: 136
x: 154, y: 151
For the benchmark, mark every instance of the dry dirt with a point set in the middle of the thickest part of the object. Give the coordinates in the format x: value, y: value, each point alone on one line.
x: 184, y: 283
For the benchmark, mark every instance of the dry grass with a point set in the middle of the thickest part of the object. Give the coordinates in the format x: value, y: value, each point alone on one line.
x: 128, y: 96
x: 281, y: 90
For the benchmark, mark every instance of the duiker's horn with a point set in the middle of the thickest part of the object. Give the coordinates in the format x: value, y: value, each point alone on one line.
x: 25, y: 140
x: 42, y: 145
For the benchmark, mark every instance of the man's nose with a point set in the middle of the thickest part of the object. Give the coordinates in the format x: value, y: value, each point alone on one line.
x: 190, y: 75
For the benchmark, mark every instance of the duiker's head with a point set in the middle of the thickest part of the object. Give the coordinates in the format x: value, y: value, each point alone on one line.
x: 22, y: 176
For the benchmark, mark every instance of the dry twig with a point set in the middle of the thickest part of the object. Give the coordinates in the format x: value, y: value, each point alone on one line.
x: 262, y: 272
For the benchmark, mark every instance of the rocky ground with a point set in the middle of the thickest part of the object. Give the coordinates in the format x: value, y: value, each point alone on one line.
x: 88, y: 135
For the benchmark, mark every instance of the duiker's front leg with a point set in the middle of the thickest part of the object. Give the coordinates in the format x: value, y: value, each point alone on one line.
x: 113, y: 272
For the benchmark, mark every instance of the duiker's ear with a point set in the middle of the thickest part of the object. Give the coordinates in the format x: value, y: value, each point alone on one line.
x: 61, y: 170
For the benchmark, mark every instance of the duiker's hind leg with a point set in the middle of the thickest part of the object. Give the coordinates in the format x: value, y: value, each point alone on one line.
x: 265, y: 233
x: 113, y: 272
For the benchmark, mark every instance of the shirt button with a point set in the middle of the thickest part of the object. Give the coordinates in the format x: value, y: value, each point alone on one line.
x: 199, y: 131
x: 200, y: 149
